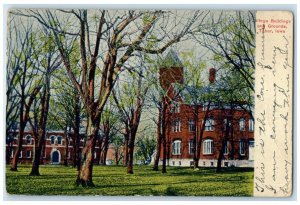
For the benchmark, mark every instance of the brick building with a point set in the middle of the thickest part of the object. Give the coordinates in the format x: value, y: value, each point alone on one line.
x: 54, y: 151
x: 238, y: 143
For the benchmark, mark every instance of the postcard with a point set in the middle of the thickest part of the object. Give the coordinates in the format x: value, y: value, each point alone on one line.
x: 149, y: 103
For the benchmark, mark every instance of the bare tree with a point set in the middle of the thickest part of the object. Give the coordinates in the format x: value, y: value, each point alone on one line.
x: 130, y: 104
x: 118, y: 36
x: 230, y: 36
x: 48, y: 62
x: 21, y: 84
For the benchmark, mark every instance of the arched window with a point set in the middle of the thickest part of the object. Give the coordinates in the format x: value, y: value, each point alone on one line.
x: 208, y: 146
x: 28, y: 139
x: 242, y: 124
x: 59, y: 140
x: 176, y: 147
x: 52, y: 139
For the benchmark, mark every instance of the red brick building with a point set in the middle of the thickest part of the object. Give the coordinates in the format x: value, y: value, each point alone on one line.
x: 182, y: 124
x: 54, y: 151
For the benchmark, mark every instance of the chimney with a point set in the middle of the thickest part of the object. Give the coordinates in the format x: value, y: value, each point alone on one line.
x: 212, y: 75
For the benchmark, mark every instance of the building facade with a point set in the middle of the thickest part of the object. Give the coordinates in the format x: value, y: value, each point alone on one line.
x: 56, y: 150
x: 225, y: 128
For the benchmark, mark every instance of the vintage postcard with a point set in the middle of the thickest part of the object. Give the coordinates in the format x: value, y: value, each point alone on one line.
x: 149, y: 102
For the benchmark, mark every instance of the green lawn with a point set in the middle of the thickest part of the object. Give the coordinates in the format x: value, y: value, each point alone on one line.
x: 113, y: 181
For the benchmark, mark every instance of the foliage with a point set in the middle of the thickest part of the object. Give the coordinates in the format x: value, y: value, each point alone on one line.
x: 112, y: 181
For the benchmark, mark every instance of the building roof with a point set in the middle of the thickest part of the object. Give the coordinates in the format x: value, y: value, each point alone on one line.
x: 171, y: 60
x: 192, y: 95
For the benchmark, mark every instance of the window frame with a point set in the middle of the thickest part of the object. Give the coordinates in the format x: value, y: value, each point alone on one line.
x: 208, y: 146
x: 30, y: 142
x: 209, y: 124
x: 191, y: 125
x: 242, y: 147
x: 242, y: 124
x: 226, y: 149
x: 52, y: 136
x: 191, y: 147
x: 251, y: 125
x: 176, y: 147
x: 61, y: 139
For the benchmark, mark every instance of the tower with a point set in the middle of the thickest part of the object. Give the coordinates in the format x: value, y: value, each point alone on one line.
x: 171, y: 70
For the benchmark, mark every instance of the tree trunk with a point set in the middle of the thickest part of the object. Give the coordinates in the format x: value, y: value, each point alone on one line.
x: 164, y: 162
x: 220, y: 157
x: 201, y: 134
x: 224, y: 142
x: 43, y: 152
x: 67, y: 148
x: 42, y: 127
x: 126, y: 145
x: 195, y: 138
x: 99, y: 152
x: 76, y: 143
x: 164, y: 137
x: 158, y: 143
x: 130, y: 155
x: 36, y: 160
x: 105, y: 148
x: 14, y: 165
x: 84, y: 176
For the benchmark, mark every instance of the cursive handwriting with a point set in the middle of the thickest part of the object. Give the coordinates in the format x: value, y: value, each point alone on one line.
x: 274, y: 167
x: 286, y: 58
x: 285, y: 118
x: 259, y: 185
x: 261, y: 94
x: 285, y: 188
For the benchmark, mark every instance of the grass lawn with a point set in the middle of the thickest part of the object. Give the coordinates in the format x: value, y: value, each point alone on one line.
x: 113, y: 181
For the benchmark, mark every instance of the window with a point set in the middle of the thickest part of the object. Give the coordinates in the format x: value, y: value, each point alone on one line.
x: 251, y: 125
x: 209, y: 124
x: 225, y: 123
x: 28, y: 153
x: 176, y: 125
x: 242, y: 124
x: 52, y: 139
x: 208, y: 146
x: 69, y: 155
x: 175, y: 107
x: 20, y: 154
x: 28, y: 139
x: 176, y: 147
x: 191, y: 147
x: 59, y: 140
x: 212, y: 164
x: 226, y: 149
x: 192, y: 125
x: 179, y: 163
x: 242, y: 147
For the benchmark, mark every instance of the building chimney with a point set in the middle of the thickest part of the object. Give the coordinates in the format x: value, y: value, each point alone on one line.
x: 212, y: 75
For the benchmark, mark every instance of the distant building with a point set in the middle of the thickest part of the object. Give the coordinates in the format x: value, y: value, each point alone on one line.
x: 181, y: 123
x: 55, y: 150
